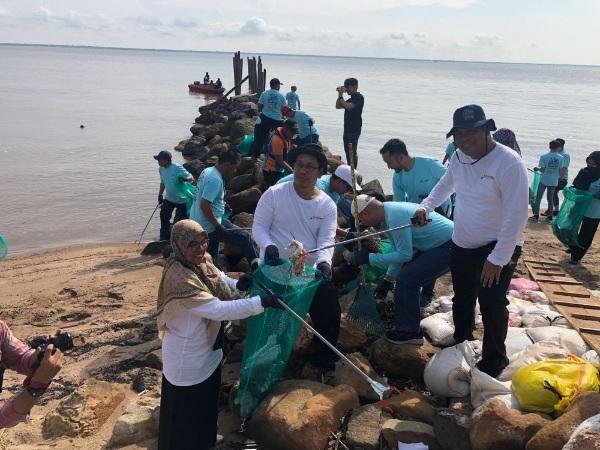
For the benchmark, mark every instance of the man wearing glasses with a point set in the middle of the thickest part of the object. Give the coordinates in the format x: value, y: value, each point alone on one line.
x: 300, y: 211
x: 490, y: 182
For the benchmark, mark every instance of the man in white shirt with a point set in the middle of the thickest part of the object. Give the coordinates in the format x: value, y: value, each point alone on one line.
x: 490, y: 182
x: 301, y: 211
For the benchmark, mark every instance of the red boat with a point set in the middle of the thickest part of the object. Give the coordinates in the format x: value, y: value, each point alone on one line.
x: 202, y: 88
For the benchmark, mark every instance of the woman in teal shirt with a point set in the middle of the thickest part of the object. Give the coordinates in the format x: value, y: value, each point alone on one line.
x: 588, y: 179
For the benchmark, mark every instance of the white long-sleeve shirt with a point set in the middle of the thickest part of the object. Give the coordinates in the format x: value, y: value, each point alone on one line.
x: 188, y: 357
x: 282, y: 216
x: 491, y: 201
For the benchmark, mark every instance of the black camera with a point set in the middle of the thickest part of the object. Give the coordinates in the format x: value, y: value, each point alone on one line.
x: 62, y: 341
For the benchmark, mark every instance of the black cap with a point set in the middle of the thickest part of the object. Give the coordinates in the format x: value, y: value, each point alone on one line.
x: 314, y: 150
x: 470, y: 117
x: 291, y: 125
x: 163, y: 154
x: 275, y: 81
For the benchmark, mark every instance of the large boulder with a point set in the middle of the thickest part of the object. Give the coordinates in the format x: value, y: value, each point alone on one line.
x: 241, y: 183
x: 241, y: 127
x: 411, y: 405
x: 139, y: 422
x: 195, y: 167
x: 344, y: 374
x: 407, y: 361
x: 495, y: 425
x: 244, y: 201
x: 210, y: 131
x: 451, y: 429
x: 84, y: 411
x: 556, y: 434
x: 373, y: 188
x: 408, y: 432
x: 300, y: 415
x: 351, y: 338
x: 364, y: 427
x: 247, y: 165
x: 197, y: 129
x: 191, y: 151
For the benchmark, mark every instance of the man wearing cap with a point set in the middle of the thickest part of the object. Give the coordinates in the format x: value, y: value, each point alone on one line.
x: 308, y: 133
x: 300, y: 211
x: 269, y: 106
x: 353, y: 108
x: 420, y: 256
x: 490, y: 182
x: 171, y: 177
x: 564, y: 175
x: 276, y: 151
x: 292, y: 99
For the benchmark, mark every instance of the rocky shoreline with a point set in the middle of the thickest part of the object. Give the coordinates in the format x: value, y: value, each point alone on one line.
x: 108, y: 394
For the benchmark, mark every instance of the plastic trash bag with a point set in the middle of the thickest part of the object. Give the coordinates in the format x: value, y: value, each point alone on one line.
x: 484, y: 388
x: 565, y: 225
x: 448, y: 372
x: 3, y: 248
x: 270, y: 336
x: 567, y: 338
x: 374, y: 273
x: 533, y: 188
x: 549, y: 386
x: 540, y: 351
x: 245, y: 145
x: 187, y: 190
x: 439, y: 328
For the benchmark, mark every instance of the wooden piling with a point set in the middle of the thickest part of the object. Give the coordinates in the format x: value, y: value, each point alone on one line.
x: 238, y: 67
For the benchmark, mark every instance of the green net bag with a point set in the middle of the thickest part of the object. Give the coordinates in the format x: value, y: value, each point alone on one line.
x: 3, y: 248
x: 187, y: 190
x: 565, y: 225
x: 270, y: 336
x: 374, y: 273
x: 533, y: 188
x: 245, y: 145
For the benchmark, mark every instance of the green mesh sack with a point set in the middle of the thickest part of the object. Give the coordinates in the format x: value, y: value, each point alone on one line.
x: 187, y: 190
x: 270, y: 336
x: 565, y: 225
x: 533, y: 188
x: 245, y: 145
x: 3, y: 248
x: 374, y: 273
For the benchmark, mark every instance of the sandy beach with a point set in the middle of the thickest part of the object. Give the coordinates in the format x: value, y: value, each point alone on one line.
x: 105, y: 296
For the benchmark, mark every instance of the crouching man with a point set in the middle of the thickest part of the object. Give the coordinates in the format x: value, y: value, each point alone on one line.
x: 420, y: 256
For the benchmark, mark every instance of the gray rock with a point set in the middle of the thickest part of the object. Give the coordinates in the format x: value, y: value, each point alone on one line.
x: 241, y: 183
x: 407, y: 361
x: 147, y: 379
x: 241, y: 127
x: 364, y: 427
x: 451, y: 429
x: 408, y: 431
x: 139, y: 422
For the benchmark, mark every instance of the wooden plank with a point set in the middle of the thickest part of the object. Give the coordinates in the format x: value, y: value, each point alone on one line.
x: 567, y: 282
x: 537, y: 261
x: 572, y: 294
x: 580, y: 305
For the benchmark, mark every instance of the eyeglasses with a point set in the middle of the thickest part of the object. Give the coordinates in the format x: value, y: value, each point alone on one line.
x: 196, y: 244
x: 307, y: 167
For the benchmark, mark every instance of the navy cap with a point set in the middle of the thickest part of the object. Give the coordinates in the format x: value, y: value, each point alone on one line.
x: 163, y: 154
x: 274, y: 82
x: 470, y: 117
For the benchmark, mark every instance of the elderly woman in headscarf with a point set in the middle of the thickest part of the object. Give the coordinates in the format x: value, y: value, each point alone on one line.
x: 588, y: 179
x: 507, y: 137
x: 193, y: 298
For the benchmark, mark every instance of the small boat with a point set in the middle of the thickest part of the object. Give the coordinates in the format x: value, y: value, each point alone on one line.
x: 202, y: 88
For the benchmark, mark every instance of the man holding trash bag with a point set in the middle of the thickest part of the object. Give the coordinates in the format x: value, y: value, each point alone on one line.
x: 490, y: 182
x: 300, y: 211
x: 420, y: 256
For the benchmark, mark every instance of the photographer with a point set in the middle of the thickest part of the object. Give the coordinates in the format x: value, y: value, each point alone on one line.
x: 17, y: 356
x: 352, y: 115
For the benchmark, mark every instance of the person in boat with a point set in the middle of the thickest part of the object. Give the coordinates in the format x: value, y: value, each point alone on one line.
x: 218, y: 84
x: 194, y: 297
x: 206, y: 78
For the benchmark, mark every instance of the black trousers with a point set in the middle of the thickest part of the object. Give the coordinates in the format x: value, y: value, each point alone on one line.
x: 351, y: 137
x: 166, y: 211
x: 188, y: 414
x: 466, y: 266
x: 325, y: 314
x: 585, y: 237
x: 261, y: 132
x: 561, y: 185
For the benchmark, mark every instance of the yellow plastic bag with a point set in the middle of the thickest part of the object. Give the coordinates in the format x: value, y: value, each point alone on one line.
x: 549, y: 386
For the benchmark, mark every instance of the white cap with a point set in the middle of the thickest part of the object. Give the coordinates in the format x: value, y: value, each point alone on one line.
x: 345, y: 173
x: 362, y: 201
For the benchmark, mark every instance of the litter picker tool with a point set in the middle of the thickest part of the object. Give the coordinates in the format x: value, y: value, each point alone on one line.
x: 379, y: 388
x: 139, y: 241
x: 363, y: 310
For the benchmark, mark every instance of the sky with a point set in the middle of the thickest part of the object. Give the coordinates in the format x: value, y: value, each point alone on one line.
x: 536, y: 31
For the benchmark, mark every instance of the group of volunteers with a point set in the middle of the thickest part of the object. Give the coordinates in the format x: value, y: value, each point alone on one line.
x: 466, y: 218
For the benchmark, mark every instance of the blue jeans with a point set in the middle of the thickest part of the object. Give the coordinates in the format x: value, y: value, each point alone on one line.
x: 232, y: 235
x: 538, y: 199
x: 424, y: 269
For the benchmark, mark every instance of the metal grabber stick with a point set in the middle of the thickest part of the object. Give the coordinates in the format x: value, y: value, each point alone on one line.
x: 139, y: 241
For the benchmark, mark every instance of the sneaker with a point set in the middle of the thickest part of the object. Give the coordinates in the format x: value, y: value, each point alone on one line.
x: 402, y: 337
x: 545, y: 213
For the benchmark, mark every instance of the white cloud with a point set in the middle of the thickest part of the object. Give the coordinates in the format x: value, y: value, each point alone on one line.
x: 254, y: 25
x: 72, y: 19
x: 486, y: 40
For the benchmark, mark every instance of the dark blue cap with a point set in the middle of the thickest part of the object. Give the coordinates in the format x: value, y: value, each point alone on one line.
x: 163, y: 154
x: 470, y: 117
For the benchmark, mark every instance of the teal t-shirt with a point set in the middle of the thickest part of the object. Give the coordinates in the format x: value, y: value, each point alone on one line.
x: 450, y: 149
x: 304, y: 129
x: 566, y: 161
x: 415, y: 184
x: 407, y: 240
x: 323, y: 183
x: 551, y: 163
x: 210, y: 188
x: 593, y: 211
x: 272, y: 101
x: 169, y: 176
x: 292, y: 99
